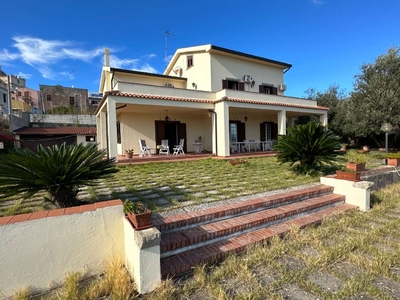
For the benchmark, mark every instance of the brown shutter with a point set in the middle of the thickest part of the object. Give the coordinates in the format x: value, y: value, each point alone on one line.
x: 274, y: 133
x: 274, y: 91
x: 262, y: 132
x: 224, y: 84
x: 160, y: 132
x: 241, y: 86
x: 261, y: 89
x: 182, y: 134
x: 241, y: 131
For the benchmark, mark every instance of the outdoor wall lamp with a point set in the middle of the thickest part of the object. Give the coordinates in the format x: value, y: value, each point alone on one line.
x: 166, y: 116
x: 245, y: 116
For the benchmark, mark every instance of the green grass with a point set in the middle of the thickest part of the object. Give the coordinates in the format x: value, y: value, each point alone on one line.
x: 163, y: 186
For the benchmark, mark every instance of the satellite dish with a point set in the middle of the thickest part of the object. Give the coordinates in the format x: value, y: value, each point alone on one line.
x: 176, y: 69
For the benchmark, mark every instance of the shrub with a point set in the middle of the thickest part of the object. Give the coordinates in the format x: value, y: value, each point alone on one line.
x: 352, y: 156
x: 309, y: 147
x: 58, y: 170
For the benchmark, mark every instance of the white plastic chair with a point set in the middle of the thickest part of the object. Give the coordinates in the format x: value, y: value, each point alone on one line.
x: 144, y: 150
x: 246, y: 146
x: 164, y: 148
x: 257, y: 145
x: 179, y: 148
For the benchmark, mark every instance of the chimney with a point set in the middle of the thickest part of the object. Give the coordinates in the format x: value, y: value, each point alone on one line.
x: 106, y: 57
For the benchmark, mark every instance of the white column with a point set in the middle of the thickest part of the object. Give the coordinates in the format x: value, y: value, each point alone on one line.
x: 213, y: 134
x: 112, y: 128
x: 324, y: 119
x: 142, y: 257
x: 222, y: 110
x: 282, y: 122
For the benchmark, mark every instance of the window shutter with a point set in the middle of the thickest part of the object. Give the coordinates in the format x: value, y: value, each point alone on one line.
x: 224, y: 84
x: 261, y: 89
x: 241, y: 131
x: 274, y: 91
x: 274, y: 133
x: 241, y: 86
x: 262, y: 132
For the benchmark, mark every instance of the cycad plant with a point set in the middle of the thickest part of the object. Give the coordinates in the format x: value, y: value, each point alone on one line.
x: 307, y: 147
x: 59, y: 170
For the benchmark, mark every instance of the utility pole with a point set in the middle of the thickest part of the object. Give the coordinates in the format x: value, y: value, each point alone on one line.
x: 9, y: 103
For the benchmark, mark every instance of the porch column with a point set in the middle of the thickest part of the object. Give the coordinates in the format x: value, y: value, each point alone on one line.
x: 112, y: 129
x: 101, y: 130
x: 213, y: 134
x: 282, y: 122
x: 222, y: 110
x: 324, y: 118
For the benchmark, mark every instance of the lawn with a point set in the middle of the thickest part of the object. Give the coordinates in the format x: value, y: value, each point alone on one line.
x: 163, y: 186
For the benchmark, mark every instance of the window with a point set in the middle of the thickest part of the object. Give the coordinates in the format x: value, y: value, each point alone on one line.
x: 233, y: 85
x: 71, y: 101
x: 189, y: 61
x: 233, y: 132
x: 19, y: 94
x: 4, y: 98
x: 268, y: 89
x: 90, y: 138
x: 48, y: 97
x: 268, y: 132
x: 26, y: 94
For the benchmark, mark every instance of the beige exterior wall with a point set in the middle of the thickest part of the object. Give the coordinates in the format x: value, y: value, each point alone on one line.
x: 149, y: 80
x: 224, y: 66
x: 40, y: 253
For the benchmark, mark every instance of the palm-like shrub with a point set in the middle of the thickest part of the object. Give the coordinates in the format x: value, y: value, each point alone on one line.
x: 308, y: 147
x: 59, y: 170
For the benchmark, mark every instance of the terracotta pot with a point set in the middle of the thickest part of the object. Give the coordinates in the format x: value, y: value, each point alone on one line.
x: 355, y: 167
x: 234, y: 162
x: 129, y: 154
x: 348, y: 176
x: 140, y: 221
x: 393, y: 162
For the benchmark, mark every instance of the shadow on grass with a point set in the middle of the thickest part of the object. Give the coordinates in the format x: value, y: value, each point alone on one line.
x: 375, y: 200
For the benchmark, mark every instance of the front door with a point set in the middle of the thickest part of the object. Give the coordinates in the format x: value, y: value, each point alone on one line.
x: 172, y: 131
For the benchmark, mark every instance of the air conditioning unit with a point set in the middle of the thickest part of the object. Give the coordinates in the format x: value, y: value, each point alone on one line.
x: 170, y: 85
x: 282, y: 87
x: 247, y: 78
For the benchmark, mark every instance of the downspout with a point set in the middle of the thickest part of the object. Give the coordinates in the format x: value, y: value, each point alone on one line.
x: 216, y: 133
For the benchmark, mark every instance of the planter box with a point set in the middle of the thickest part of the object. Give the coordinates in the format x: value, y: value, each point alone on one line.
x: 140, y: 221
x: 393, y: 162
x: 348, y: 176
x: 355, y: 167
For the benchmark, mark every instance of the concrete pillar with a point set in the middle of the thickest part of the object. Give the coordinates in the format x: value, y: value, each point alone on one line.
x: 112, y: 128
x: 324, y: 119
x: 142, y: 257
x: 282, y: 122
x: 101, y: 130
x: 223, y: 147
x: 213, y: 133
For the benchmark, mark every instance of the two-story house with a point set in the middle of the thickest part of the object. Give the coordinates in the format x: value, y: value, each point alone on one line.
x: 221, y: 95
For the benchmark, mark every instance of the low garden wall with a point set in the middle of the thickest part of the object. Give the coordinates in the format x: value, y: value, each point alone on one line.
x: 40, y: 248
x: 382, y: 176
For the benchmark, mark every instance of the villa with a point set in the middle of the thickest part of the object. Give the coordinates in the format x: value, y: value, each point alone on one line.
x: 213, y: 98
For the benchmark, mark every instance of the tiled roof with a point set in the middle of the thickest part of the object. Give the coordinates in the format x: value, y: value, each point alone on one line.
x: 161, y: 97
x: 270, y: 103
x: 57, y: 131
x: 158, y: 97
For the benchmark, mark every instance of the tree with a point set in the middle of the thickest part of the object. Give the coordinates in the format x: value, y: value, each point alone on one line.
x: 376, y: 98
x: 58, y: 170
x: 309, y: 146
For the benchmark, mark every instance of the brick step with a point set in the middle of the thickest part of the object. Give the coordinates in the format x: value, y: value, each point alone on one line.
x: 182, y: 263
x: 190, y: 238
x: 182, y: 221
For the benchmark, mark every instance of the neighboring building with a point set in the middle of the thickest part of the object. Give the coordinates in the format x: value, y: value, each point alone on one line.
x: 94, y: 99
x: 68, y: 100
x: 222, y: 95
x: 29, y: 96
x: 16, y: 82
x: 33, y: 136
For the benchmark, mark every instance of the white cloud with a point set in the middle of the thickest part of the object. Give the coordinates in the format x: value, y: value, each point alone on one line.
x: 24, y: 75
x: 146, y: 68
x: 119, y: 63
x: 168, y: 58
x: 318, y: 2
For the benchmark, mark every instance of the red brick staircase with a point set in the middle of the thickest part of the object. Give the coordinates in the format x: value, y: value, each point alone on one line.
x: 211, y: 234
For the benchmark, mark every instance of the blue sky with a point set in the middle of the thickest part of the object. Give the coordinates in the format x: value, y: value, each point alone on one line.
x: 62, y: 42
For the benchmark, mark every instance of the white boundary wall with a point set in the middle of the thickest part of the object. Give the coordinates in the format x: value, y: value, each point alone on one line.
x: 40, y: 252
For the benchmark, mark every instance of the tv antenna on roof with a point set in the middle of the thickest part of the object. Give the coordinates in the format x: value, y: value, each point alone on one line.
x: 167, y: 33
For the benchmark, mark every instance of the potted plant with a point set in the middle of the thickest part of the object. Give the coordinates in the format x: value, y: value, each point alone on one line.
x: 348, y: 174
x: 138, y: 214
x: 343, y: 147
x: 129, y: 152
x: 393, y: 159
x: 356, y: 161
